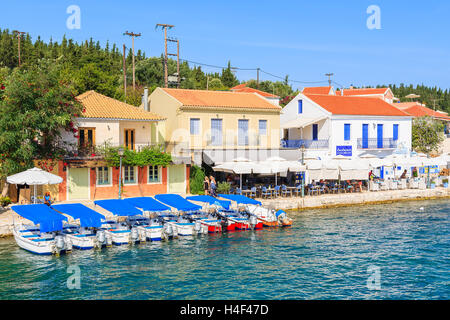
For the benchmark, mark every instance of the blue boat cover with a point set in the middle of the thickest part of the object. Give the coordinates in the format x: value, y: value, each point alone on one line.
x: 239, y: 199
x: 41, y: 214
x: 87, y: 216
x: 118, y: 207
x: 211, y: 200
x: 147, y: 204
x: 178, y: 202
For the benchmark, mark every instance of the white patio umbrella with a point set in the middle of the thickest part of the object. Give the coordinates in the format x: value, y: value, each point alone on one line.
x: 34, y: 177
x: 238, y: 166
x: 279, y: 165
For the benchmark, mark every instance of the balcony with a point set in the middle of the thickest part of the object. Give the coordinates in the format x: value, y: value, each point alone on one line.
x: 96, y: 151
x: 309, y: 144
x: 378, y: 144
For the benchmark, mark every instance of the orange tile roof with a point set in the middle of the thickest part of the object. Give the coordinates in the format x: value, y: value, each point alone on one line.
x: 364, y: 91
x: 220, y: 99
x: 356, y: 105
x: 243, y: 88
x: 316, y: 90
x: 417, y: 110
x: 97, y: 105
x: 239, y: 86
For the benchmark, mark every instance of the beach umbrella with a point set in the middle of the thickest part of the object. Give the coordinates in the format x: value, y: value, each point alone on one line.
x: 34, y: 177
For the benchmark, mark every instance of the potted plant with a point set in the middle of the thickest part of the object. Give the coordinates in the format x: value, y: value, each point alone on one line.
x: 223, y: 187
x: 445, y: 182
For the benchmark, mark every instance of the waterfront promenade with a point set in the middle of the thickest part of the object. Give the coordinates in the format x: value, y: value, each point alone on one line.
x: 294, y: 203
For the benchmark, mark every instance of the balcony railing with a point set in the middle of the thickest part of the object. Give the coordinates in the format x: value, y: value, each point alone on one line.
x: 375, y: 143
x: 95, y: 151
x: 309, y: 144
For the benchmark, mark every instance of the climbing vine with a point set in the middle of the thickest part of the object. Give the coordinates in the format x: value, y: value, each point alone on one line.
x: 151, y: 155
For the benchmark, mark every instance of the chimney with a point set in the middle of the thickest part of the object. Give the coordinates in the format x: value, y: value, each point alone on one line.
x: 342, y: 91
x: 351, y: 87
x: 145, y: 98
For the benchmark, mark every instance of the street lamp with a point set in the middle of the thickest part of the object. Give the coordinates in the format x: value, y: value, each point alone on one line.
x: 302, y: 149
x: 120, y: 151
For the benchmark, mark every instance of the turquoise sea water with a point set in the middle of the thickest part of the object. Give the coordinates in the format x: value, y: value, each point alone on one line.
x: 327, y: 254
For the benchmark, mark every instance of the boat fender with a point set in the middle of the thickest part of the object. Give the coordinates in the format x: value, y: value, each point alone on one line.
x: 101, y: 237
x: 168, y: 229
x: 253, y: 221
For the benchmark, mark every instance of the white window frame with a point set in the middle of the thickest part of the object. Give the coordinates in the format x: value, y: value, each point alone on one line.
x: 199, y: 126
x: 135, y: 176
x: 159, y: 175
x: 109, y: 177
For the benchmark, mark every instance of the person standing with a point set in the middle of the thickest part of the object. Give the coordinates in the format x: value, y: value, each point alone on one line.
x: 206, y: 185
x: 212, y: 186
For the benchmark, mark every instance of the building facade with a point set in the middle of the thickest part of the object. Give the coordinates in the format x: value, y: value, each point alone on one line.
x: 330, y: 125
x: 107, y: 122
x: 217, y: 126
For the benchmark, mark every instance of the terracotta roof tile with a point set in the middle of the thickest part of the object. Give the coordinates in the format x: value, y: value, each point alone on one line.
x: 417, y: 110
x: 316, y: 90
x: 100, y: 106
x: 252, y: 90
x: 363, y: 91
x: 220, y: 99
x: 355, y: 105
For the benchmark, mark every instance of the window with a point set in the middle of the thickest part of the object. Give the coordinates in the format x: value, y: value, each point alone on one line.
x: 395, y: 132
x: 347, y: 131
x: 315, y: 132
x: 216, y: 132
x: 86, y: 138
x: 129, y: 175
x: 153, y: 174
x: 195, y: 126
x: 300, y: 106
x: 103, y: 176
x: 243, y: 132
x: 262, y: 127
x: 129, y: 139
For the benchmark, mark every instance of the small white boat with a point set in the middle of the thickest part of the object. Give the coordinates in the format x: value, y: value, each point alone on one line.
x: 85, y: 234
x: 44, y: 235
x: 119, y: 232
x: 149, y: 229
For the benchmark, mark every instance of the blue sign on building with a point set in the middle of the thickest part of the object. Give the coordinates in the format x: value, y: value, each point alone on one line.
x: 344, y: 151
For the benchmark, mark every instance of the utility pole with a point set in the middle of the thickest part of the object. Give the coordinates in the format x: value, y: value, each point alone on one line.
x: 434, y: 103
x: 19, y: 36
x: 124, y: 75
x: 329, y: 75
x: 257, y: 78
x: 178, y: 58
x: 132, y: 34
x: 165, y: 26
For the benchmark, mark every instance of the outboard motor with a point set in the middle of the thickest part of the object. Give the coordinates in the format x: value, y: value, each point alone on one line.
x: 134, y: 234
x: 253, y: 221
x: 280, y: 214
x: 59, y: 243
x: 168, y: 230
x: 101, y: 237
x: 69, y: 245
x: 108, y: 240
x: 198, y: 226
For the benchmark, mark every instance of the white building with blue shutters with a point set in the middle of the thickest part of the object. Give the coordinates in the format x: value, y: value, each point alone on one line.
x: 327, y: 125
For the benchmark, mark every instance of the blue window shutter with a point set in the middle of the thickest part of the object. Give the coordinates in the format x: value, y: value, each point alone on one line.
x: 315, y: 131
x: 300, y: 106
x: 395, y: 132
x: 347, y: 131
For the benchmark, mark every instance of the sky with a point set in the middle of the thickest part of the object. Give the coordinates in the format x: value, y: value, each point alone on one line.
x: 407, y: 42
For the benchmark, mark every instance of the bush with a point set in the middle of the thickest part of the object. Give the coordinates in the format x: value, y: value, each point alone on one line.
x: 4, y: 201
x: 223, y: 187
x: 196, y: 178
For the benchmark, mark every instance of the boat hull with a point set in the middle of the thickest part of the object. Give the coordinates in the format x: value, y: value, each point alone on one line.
x: 119, y: 237
x: 36, y: 247
x: 185, y: 229
x: 82, y: 241
x: 153, y: 233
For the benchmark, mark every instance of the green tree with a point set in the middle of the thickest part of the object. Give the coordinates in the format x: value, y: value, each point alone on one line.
x: 197, y: 176
x: 426, y: 134
x: 228, y: 78
x: 37, y: 105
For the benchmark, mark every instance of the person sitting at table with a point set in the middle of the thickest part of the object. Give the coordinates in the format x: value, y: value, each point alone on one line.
x: 47, y: 199
x: 403, y: 176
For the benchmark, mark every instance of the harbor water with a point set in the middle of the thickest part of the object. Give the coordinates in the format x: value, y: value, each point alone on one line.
x: 391, y: 251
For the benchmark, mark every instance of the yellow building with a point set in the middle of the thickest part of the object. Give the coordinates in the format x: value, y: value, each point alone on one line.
x: 217, y: 126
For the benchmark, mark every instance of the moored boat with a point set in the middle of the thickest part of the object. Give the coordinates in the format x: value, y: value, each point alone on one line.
x: 87, y: 233
x: 44, y: 236
x: 120, y: 231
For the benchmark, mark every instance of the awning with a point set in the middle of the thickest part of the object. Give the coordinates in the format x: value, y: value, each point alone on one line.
x: 214, y: 157
x: 240, y: 199
x: 41, y: 214
x: 118, y: 207
x: 87, y: 216
x: 210, y: 200
x: 147, y: 204
x: 177, y: 201
x: 301, y: 122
